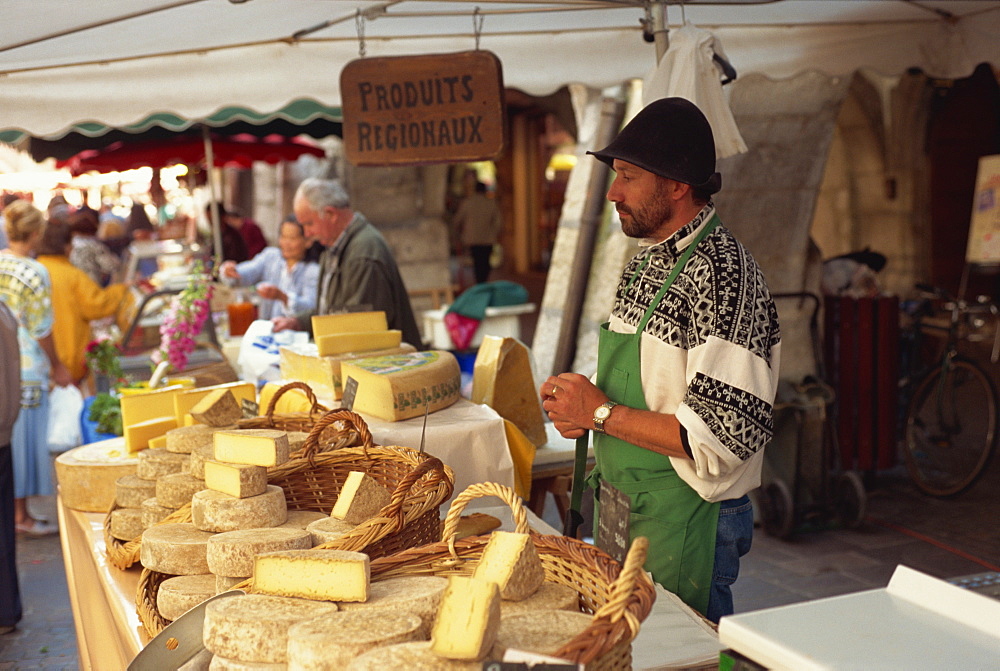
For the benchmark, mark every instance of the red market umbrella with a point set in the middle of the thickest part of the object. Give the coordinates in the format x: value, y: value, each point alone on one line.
x: 230, y: 150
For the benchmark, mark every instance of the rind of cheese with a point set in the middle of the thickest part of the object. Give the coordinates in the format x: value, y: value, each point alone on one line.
x: 218, y: 408
x: 154, y: 463
x: 416, y: 594
x: 224, y: 583
x: 138, y: 435
x: 131, y: 490
x: 328, y: 529
x: 87, y: 474
x: 177, y: 549
x: 176, y: 596
x: 217, y: 512
x: 175, y: 490
x: 332, y: 641
x: 185, y: 439
x: 153, y: 512
x: 542, y: 632
x: 324, y: 575
x: 550, y: 596
x: 360, y: 499
x: 239, y: 480
x: 302, y: 362
x: 467, y: 620
x: 232, y: 553
x: 512, y: 562
x: 360, y: 341
x: 201, y: 454
x: 502, y: 379
x: 256, y: 447
x: 346, y: 322
x: 254, y: 627
x: 126, y: 523
x: 395, y: 388
x: 412, y: 656
x: 188, y: 398
x: 301, y: 519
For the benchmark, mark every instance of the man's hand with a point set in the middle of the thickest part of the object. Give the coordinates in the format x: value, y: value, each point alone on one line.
x: 569, y: 400
x: 285, y: 324
x: 228, y: 269
x: 61, y: 376
x: 271, y: 292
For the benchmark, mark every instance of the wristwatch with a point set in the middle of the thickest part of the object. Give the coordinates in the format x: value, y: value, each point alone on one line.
x: 602, y: 412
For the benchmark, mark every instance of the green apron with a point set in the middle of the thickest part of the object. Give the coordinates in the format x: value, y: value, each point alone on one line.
x: 679, y: 524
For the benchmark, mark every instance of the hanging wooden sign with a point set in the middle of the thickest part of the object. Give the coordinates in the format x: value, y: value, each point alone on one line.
x: 410, y: 110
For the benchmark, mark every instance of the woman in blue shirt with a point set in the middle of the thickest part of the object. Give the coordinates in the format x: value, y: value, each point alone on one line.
x: 281, y: 275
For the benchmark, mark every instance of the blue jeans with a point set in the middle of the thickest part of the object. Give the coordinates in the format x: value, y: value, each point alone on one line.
x: 732, y: 540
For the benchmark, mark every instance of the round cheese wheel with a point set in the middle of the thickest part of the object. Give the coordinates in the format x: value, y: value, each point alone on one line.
x: 224, y: 583
x: 153, y: 512
x: 300, y: 519
x: 542, y: 631
x: 126, y: 523
x: 200, y: 662
x: 199, y: 455
x: 156, y: 462
x: 328, y: 529
x: 176, y: 549
x: 131, y: 491
x: 254, y: 628
x: 224, y: 664
x: 180, y: 594
x: 418, y: 594
x: 332, y: 641
x: 217, y: 512
x: 232, y: 553
x: 184, y: 439
x: 412, y: 656
x: 550, y: 596
x: 175, y: 490
x: 87, y: 474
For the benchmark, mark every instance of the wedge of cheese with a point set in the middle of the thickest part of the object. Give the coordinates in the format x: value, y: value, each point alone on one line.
x: 87, y: 474
x: 218, y: 408
x: 324, y: 575
x: 293, y: 400
x: 245, y: 393
x: 302, y: 362
x: 159, y: 441
x: 360, y: 499
x: 256, y: 447
x: 512, y: 562
x: 138, y: 435
x: 142, y: 407
x: 502, y: 379
x: 398, y: 387
x: 340, y: 343
x: 348, y: 322
x: 467, y: 620
x: 238, y: 480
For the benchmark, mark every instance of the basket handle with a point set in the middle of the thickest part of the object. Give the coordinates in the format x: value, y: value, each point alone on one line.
x: 394, y: 509
x: 504, y: 493
x: 316, y: 406
x: 616, y: 607
x: 311, y: 445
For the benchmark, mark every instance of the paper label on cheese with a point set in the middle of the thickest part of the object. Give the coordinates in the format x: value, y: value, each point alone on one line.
x: 399, y: 387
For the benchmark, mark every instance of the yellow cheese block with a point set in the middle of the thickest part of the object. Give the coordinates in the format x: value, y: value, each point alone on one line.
x: 188, y: 398
x: 256, y: 447
x: 348, y: 322
x: 138, y: 435
x: 467, y: 620
x: 340, y: 343
x: 512, y: 562
x: 323, y: 575
x: 360, y: 499
x: 239, y: 480
x: 397, y: 387
x: 218, y: 408
x: 502, y: 379
x: 303, y: 363
x: 142, y: 407
x: 87, y: 474
x: 293, y: 400
x: 159, y: 441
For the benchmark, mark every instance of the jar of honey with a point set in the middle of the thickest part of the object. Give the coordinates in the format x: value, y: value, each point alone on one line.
x: 241, y: 314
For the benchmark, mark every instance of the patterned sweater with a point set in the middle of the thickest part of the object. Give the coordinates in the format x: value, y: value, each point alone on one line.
x: 709, y: 353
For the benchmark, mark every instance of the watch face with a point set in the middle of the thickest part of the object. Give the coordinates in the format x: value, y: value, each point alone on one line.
x: 603, y: 412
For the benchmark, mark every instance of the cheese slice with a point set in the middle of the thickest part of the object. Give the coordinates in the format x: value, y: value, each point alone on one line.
x: 245, y: 392
x: 256, y: 447
x: 302, y: 362
x: 324, y: 575
x: 347, y: 322
x: 339, y: 343
x: 512, y: 562
x: 137, y: 435
x: 398, y: 387
x: 332, y: 641
x: 467, y: 620
x: 149, y: 405
x: 239, y: 480
x: 218, y: 408
x: 502, y: 379
x: 159, y: 441
x: 360, y: 499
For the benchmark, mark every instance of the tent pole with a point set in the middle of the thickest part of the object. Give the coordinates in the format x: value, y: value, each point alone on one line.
x: 661, y: 31
x: 612, y: 114
x: 214, y: 201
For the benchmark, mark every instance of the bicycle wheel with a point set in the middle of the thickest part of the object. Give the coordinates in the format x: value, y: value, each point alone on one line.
x: 951, y: 428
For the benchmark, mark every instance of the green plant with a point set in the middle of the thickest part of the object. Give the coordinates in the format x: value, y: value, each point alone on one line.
x: 104, y: 359
x: 106, y: 410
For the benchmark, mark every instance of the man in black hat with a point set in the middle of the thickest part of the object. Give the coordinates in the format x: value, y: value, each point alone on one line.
x: 687, y: 369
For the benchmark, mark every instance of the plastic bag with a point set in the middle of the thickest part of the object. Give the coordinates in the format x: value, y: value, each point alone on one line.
x: 65, y: 407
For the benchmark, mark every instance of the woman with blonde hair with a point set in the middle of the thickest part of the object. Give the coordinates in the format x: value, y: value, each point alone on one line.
x: 25, y: 288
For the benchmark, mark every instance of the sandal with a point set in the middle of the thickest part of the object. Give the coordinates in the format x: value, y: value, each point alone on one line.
x: 37, y: 528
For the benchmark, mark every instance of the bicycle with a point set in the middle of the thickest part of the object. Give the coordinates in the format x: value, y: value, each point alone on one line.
x: 949, y: 427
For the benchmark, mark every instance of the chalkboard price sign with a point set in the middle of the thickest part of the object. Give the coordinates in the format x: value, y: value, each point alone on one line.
x: 613, y: 522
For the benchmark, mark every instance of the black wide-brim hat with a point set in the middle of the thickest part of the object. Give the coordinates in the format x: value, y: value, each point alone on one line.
x: 670, y: 137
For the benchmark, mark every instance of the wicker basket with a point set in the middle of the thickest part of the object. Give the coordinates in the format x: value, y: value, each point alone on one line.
x: 419, y: 482
x: 620, y: 597
x: 287, y: 421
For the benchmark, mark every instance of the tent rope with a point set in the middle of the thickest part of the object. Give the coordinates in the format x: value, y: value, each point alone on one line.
x: 359, y: 23
x: 477, y: 25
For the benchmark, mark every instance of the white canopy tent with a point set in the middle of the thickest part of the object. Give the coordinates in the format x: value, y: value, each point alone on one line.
x: 116, y: 63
